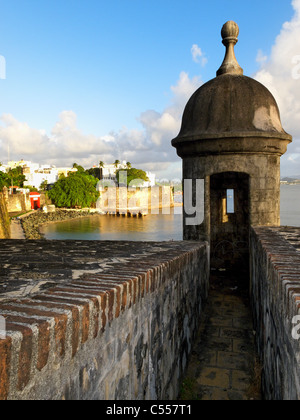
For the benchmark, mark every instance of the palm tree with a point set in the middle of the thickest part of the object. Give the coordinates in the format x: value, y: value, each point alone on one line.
x: 117, y: 162
x: 101, y: 166
x: 128, y: 165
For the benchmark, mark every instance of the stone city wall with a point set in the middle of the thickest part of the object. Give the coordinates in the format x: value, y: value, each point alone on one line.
x: 4, y: 219
x: 18, y: 203
x: 145, y: 200
x: 275, y: 293
x: 106, y: 321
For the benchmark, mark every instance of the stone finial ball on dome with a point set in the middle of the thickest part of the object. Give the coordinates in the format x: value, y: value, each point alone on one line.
x: 230, y: 31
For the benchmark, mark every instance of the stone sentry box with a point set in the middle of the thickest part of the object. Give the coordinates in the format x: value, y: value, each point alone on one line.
x: 232, y: 137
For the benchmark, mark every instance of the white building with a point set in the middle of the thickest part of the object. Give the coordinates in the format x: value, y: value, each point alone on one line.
x: 22, y: 163
x: 37, y: 174
x: 36, y: 177
x: 108, y: 173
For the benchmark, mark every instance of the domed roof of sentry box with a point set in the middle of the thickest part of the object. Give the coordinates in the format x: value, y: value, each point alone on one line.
x: 231, y: 105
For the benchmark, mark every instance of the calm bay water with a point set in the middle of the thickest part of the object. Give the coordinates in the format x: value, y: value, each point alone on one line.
x: 163, y: 227
x: 290, y: 205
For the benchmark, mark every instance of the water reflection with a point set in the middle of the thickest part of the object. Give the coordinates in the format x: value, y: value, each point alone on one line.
x: 162, y: 227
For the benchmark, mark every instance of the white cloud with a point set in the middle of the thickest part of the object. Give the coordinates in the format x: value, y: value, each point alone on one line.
x: 15, y: 137
x: 66, y: 143
x: 151, y: 147
x: 160, y: 128
x: 261, y: 58
x: 67, y: 121
x: 198, y: 55
x: 148, y: 147
x: 278, y: 73
x: 184, y: 88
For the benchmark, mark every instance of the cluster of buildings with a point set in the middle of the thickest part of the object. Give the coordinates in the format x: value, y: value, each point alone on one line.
x: 37, y: 174
x: 108, y: 173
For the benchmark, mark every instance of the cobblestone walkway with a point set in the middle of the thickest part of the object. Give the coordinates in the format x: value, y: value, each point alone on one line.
x: 16, y: 231
x: 223, y: 365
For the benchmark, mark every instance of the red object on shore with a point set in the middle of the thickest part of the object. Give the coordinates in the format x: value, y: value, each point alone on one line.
x: 35, y: 199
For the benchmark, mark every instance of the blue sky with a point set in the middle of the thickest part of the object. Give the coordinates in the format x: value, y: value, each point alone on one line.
x: 90, y: 80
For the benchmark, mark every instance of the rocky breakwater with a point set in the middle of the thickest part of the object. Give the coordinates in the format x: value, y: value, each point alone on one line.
x: 32, y: 223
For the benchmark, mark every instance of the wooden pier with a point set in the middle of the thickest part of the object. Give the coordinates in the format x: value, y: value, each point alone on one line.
x: 130, y: 212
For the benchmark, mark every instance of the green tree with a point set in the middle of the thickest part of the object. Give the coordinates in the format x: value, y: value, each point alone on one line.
x: 4, y: 181
x: 78, y: 167
x: 117, y: 162
x: 44, y: 185
x: 95, y: 172
x: 77, y: 190
x: 31, y: 188
x: 101, y: 166
x: 16, y: 177
x: 135, y: 177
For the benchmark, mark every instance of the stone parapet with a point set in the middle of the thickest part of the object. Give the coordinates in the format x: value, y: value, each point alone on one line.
x: 275, y: 293
x: 98, y: 320
x: 4, y: 219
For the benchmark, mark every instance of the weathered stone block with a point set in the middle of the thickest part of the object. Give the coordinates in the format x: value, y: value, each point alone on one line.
x: 275, y: 291
x: 119, y: 327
